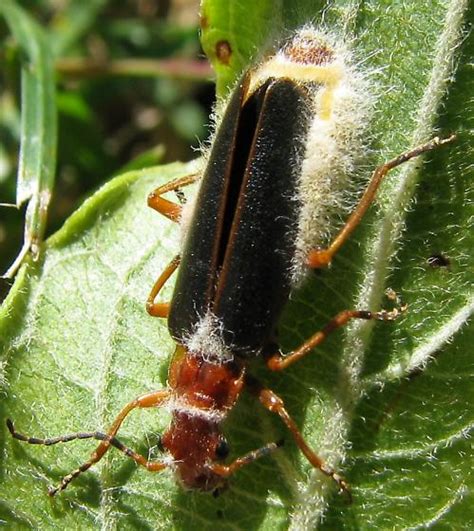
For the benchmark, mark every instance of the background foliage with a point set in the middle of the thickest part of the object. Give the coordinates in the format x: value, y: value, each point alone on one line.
x: 387, y: 404
x: 130, y: 78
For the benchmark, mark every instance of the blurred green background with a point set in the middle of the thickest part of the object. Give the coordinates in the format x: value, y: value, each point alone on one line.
x: 133, y: 89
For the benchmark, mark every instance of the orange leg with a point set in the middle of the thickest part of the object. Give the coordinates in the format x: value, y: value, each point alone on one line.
x: 278, y: 362
x: 275, y: 404
x: 322, y: 257
x: 107, y: 439
x: 227, y: 470
x: 168, y: 208
x: 161, y: 309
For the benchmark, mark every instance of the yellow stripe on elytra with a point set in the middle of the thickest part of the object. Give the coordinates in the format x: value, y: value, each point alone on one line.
x: 275, y: 67
x: 325, y: 103
x: 327, y: 75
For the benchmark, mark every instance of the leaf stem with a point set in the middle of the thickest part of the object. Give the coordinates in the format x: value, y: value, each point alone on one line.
x: 179, y: 69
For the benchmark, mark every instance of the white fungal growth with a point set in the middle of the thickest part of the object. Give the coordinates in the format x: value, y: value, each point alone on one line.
x: 206, y: 339
x: 179, y: 405
x: 340, y: 102
x: 335, y: 144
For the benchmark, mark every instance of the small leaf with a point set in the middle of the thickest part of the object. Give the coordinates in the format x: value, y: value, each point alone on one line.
x: 37, y: 162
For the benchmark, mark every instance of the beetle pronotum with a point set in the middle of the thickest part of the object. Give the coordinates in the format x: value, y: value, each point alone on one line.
x: 283, y: 149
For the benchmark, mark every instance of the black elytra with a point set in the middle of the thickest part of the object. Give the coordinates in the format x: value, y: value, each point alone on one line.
x: 237, y: 258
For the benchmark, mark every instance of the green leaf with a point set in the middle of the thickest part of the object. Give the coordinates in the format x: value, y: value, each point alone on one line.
x: 232, y: 33
x: 389, y: 404
x: 38, y: 125
x: 228, y: 43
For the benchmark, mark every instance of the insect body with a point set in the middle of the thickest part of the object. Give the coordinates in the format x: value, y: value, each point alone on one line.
x: 284, y: 146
